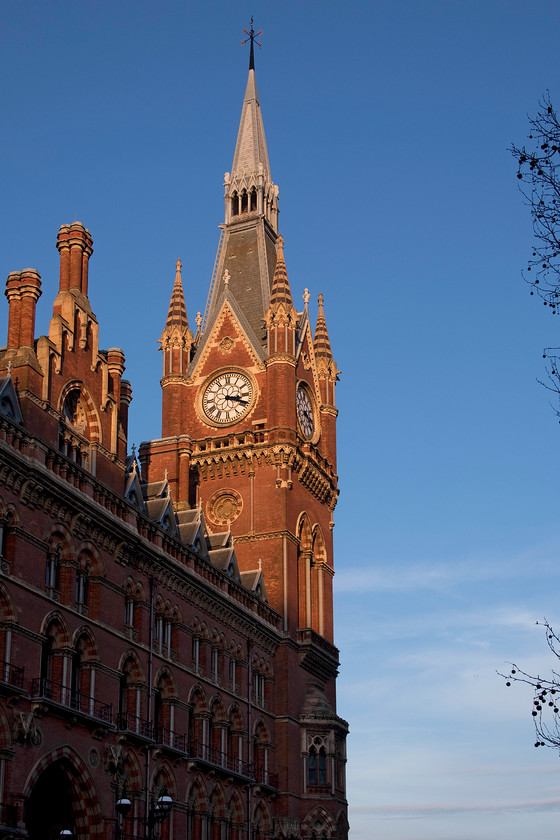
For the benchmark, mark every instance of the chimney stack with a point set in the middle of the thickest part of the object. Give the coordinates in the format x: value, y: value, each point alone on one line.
x: 23, y: 290
x: 74, y: 244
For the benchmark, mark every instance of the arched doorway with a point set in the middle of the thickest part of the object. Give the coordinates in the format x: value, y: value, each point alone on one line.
x: 61, y: 796
x: 50, y: 808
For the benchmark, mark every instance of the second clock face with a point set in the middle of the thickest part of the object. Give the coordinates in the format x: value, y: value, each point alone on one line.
x: 306, y: 415
x: 227, y: 397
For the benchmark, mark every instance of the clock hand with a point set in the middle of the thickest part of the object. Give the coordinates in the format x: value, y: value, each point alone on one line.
x: 237, y: 399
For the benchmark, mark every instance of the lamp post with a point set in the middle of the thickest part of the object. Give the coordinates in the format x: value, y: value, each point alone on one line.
x: 159, y: 812
x: 122, y: 807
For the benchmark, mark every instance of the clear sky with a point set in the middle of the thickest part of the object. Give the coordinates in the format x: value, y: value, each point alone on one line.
x: 388, y: 125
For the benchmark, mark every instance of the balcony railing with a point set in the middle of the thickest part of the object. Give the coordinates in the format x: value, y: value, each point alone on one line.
x: 211, y: 755
x: 11, y: 674
x: 128, y: 722
x: 8, y: 815
x: 171, y: 739
x: 75, y: 700
x: 265, y: 777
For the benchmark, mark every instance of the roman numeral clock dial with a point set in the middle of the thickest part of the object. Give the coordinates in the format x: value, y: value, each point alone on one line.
x: 305, y: 411
x: 227, y: 397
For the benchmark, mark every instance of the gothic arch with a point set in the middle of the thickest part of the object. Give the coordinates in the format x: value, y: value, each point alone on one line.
x: 5, y: 732
x: 60, y: 794
x: 54, y: 625
x: 7, y: 610
x: 304, y: 568
x: 84, y: 637
x: 164, y: 776
x: 12, y: 515
x: 88, y: 553
x: 130, y: 664
x: 91, y: 423
x: 262, y: 821
x: 317, y: 580
x: 318, y: 824
x: 57, y: 536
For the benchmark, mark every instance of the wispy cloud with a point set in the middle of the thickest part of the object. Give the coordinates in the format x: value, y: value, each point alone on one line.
x: 409, y: 811
x: 387, y: 575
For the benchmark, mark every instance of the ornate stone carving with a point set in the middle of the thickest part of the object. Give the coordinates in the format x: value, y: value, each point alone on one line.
x: 224, y: 506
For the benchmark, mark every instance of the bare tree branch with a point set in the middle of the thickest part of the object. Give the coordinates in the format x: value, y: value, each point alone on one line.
x: 545, y: 709
x: 538, y: 171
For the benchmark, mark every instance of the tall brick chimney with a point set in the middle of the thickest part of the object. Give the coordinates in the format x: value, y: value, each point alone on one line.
x: 23, y: 290
x: 74, y: 244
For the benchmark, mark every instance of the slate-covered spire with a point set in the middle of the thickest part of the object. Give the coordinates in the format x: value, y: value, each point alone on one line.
x: 247, y: 250
x: 177, y: 338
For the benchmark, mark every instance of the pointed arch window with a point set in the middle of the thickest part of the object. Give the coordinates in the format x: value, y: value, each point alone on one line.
x: 235, y: 204
x: 82, y: 586
x: 52, y: 573
x: 317, y: 764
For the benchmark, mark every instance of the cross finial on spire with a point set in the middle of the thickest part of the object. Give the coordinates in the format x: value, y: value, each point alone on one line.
x: 252, y: 37
x: 178, y: 265
x: 306, y: 296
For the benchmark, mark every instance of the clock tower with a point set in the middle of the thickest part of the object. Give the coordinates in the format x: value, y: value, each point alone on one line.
x: 249, y: 438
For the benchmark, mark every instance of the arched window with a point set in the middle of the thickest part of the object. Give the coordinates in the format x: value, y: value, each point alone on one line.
x: 262, y: 753
x: 52, y: 572
x: 54, y: 674
x: 130, y: 699
x: 9, y: 673
x: 253, y: 199
x: 317, y: 763
x: 82, y: 682
x: 244, y: 201
x: 82, y: 581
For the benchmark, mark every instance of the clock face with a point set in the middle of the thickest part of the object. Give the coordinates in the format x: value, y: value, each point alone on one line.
x: 227, y: 397
x: 306, y: 415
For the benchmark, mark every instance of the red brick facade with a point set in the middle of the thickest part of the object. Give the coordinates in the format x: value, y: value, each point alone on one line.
x: 167, y: 620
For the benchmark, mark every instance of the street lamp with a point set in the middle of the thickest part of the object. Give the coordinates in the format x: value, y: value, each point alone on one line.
x: 122, y: 807
x: 160, y: 810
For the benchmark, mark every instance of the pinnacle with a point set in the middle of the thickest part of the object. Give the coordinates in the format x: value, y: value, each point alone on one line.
x: 177, y: 314
x: 321, y: 341
x: 280, y: 292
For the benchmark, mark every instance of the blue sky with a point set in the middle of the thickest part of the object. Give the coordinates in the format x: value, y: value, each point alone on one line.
x: 388, y: 125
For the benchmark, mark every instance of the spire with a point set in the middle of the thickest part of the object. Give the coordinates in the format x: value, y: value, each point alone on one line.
x: 280, y: 293
x: 177, y: 315
x: 281, y: 313
x: 247, y: 248
x: 321, y: 341
x: 251, y: 156
x: 176, y: 339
